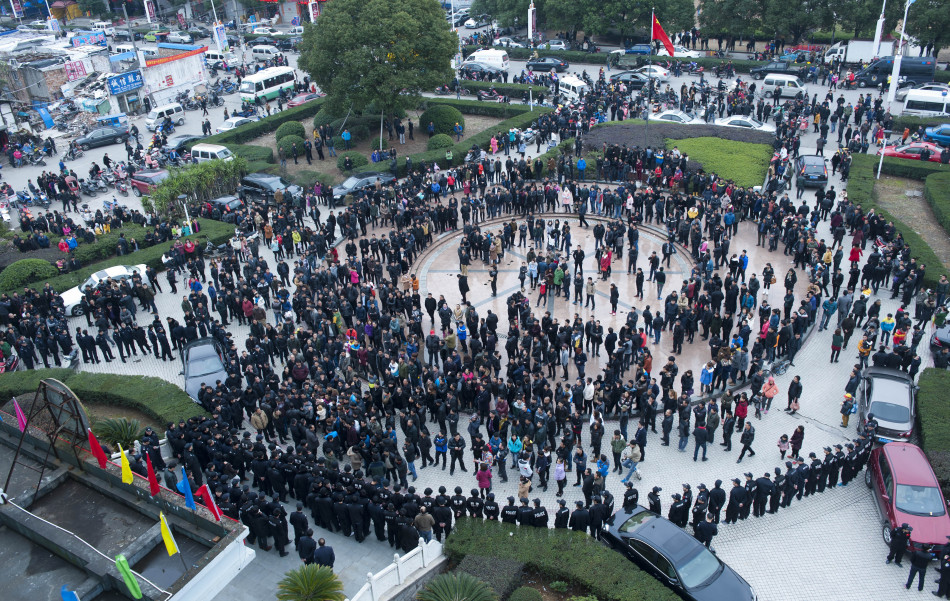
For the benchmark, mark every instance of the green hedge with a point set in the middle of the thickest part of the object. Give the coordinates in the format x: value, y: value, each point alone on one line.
x: 287, y: 142
x: 24, y: 271
x: 475, y: 107
x: 933, y: 414
x: 942, y: 76
x: 558, y: 555
x: 514, y: 90
x: 502, y: 575
x: 156, y: 398
x: 861, y: 191
x: 937, y: 194
x: 216, y: 231
x: 913, y: 122
x: 525, y: 593
x: 743, y: 163
x: 253, y: 154
x: 440, y: 141
x: 356, y: 158
x: 254, y: 130
x: 291, y: 128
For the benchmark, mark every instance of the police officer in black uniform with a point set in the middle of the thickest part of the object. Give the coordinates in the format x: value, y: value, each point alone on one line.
x: 899, y: 539
x: 562, y: 515
x: 539, y: 518
x: 717, y: 500
x: 737, y: 500
x: 700, y: 506
x: 706, y: 530
x: 491, y: 508
x: 509, y: 513
x: 778, y: 485
x: 678, y: 510
x: 525, y: 513
x: 653, y: 498
x: 630, y: 497
x: 580, y: 518
x: 750, y: 489
x: 815, y: 474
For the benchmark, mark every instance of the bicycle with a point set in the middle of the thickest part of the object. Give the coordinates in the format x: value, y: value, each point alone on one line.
x: 777, y: 368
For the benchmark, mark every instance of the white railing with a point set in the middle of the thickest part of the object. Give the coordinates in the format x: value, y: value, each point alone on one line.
x: 402, y: 568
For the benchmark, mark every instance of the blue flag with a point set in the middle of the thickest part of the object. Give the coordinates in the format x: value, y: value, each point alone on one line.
x: 189, y: 499
x: 67, y: 594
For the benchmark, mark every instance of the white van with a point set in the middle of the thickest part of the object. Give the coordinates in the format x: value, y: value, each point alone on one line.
x: 264, y: 53
x: 104, y: 26
x: 215, y: 57
x: 295, y: 30
x: 491, y: 57
x: 927, y: 103
x: 209, y: 152
x: 572, y: 87
x: 158, y: 114
x: 791, y: 85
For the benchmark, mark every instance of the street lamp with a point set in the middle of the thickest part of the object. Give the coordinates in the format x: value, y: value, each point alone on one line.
x: 895, y: 76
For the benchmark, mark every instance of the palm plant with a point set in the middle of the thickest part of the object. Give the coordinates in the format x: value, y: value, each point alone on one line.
x: 119, y: 430
x: 456, y: 586
x: 310, y: 583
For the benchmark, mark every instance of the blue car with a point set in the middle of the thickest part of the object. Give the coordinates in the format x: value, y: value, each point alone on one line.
x: 635, y: 49
x: 939, y: 135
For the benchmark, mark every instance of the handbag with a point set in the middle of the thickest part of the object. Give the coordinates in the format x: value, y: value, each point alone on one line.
x: 773, y: 279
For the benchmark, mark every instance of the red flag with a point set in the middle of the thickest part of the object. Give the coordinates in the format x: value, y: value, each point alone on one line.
x: 659, y: 34
x: 152, y: 480
x: 96, y: 450
x: 208, y: 499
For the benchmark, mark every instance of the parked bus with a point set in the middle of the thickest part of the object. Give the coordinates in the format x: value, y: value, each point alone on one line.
x: 927, y: 103
x: 268, y: 83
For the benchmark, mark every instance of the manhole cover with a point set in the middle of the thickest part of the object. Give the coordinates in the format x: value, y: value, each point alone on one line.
x: 913, y: 193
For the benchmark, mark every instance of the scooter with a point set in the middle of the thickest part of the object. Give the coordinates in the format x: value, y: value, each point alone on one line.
x: 87, y: 215
x: 88, y: 188
x: 122, y: 187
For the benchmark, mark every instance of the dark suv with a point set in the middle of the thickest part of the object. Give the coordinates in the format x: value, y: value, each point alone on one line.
x: 261, y: 187
x: 811, y: 170
x: 361, y: 181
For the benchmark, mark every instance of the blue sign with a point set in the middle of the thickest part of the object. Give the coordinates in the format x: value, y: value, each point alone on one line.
x: 120, y: 84
x: 89, y: 37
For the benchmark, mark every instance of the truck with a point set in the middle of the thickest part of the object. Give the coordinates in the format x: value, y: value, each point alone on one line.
x: 855, y: 52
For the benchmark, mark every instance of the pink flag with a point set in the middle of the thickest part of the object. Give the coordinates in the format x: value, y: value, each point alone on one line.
x: 20, y: 418
x: 208, y: 498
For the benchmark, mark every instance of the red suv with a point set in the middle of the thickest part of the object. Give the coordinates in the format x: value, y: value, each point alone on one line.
x: 143, y: 182
x: 907, y: 491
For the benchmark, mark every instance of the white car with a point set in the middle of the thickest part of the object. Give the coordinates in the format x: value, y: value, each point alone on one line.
x: 233, y: 122
x: 180, y: 37
x: 680, y: 52
x: 73, y: 297
x: 508, y: 43
x: 265, y: 31
x: 656, y: 72
x: 556, y: 45
x: 745, y: 122
x: 932, y: 87
x: 674, y: 116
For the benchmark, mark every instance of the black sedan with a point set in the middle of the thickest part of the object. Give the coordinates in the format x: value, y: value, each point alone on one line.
x: 811, y: 171
x: 102, y: 136
x: 940, y: 338
x: 674, y: 557
x: 262, y: 41
x: 262, y: 186
x: 631, y: 79
x: 289, y: 43
x: 475, y: 70
x: 546, y: 63
x: 199, y: 32
x: 361, y: 181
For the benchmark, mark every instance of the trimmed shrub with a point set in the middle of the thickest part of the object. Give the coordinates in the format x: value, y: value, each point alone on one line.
x: 558, y: 586
x: 502, y: 575
x: 444, y: 118
x: 475, y: 107
x: 16, y: 275
x: 251, y: 153
x: 291, y: 128
x: 374, y: 143
x: 356, y: 157
x: 323, y: 118
x: 156, y: 398
x: 558, y: 555
x: 525, y: 593
x: 440, y: 141
x: 455, y: 586
x: 937, y: 194
x: 933, y: 422
x: 307, y: 178
x: 287, y: 142
x: 252, y: 131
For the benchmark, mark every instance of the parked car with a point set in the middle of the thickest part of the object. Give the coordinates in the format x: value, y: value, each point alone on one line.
x: 658, y: 73
x: 676, y: 116
x: 784, y: 67
x: 906, y: 491
x: 123, y: 35
x: 101, y: 136
x: 931, y: 86
x: 261, y: 186
x: 477, y: 22
x: 680, y: 52
x: 179, y: 37
x: 263, y: 41
x: 546, y: 63
x: 556, y: 45
x: 746, y: 122
x: 474, y: 69
x: 811, y: 170
x: 913, y: 151
x: 156, y: 36
x: 143, y: 182
x: 265, y: 31
x: 179, y: 142
x: 232, y: 122
x: 199, y: 32
x: 508, y: 42
x: 891, y: 396
x: 73, y: 297
x: 939, y: 134
x: 203, y: 362
x: 635, y: 49
x: 227, y: 204
x: 940, y: 338
x: 360, y: 181
x: 290, y: 43
x: 632, y: 79
x: 675, y: 558
x: 303, y: 98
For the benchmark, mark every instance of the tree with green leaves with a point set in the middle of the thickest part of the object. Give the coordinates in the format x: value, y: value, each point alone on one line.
x: 929, y: 22
x: 730, y: 17
x: 380, y: 52
x: 859, y: 17
x: 791, y: 19
x: 94, y: 7
x: 510, y: 13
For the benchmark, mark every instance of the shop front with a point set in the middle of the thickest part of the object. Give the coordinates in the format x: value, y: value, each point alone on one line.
x: 126, y: 89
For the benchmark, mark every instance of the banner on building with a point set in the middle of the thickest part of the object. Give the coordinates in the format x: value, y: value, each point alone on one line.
x: 74, y: 70
x: 314, y: 11
x: 86, y: 38
x: 126, y: 82
x: 149, y: 10
x: 181, y: 18
x: 221, y: 37
x: 17, y: 9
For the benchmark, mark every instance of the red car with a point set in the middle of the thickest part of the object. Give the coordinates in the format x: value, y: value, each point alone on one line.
x: 143, y: 182
x: 303, y: 98
x: 913, y: 150
x: 907, y: 491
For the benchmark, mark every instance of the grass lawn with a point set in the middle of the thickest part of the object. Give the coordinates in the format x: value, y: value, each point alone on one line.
x: 742, y: 162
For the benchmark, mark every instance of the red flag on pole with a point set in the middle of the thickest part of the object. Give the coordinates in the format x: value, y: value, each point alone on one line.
x: 659, y: 34
x: 208, y: 499
x: 152, y: 480
x: 96, y: 450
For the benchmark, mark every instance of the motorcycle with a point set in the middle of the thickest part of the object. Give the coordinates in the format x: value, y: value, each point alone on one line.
x: 99, y: 183
x: 40, y: 200
x: 491, y: 96
x: 122, y: 187
x: 111, y: 205
x: 88, y: 188
x: 36, y: 159
x: 74, y: 152
x: 5, y: 211
x: 87, y: 215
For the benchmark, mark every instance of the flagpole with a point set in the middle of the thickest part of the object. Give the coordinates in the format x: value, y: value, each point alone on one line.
x: 649, y: 74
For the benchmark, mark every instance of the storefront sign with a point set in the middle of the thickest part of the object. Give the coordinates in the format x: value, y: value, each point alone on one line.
x: 126, y: 82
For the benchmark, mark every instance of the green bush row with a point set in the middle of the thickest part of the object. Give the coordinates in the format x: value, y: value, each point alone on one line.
x: 513, y: 90
x: 912, y: 122
x: 502, y: 575
x: 558, y: 555
x: 933, y: 414
x: 861, y: 192
x: 156, y: 398
x: 252, y: 153
x: 942, y: 76
x: 937, y: 195
x: 216, y: 231
x: 478, y: 107
x: 24, y: 271
x: 254, y: 130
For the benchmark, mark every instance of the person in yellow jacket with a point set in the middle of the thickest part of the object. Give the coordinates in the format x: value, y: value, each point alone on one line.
x: 864, y: 351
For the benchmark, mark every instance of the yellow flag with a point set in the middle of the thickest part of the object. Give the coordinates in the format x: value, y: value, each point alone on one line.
x: 126, y: 468
x: 170, y: 545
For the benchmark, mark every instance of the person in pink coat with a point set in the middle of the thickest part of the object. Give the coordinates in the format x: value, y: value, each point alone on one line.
x: 483, y: 476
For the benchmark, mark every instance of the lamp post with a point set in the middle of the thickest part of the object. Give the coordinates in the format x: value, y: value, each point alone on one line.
x: 183, y: 199
x: 895, y: 76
